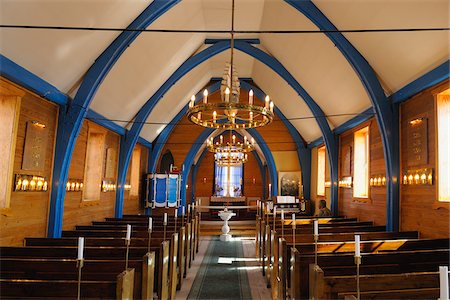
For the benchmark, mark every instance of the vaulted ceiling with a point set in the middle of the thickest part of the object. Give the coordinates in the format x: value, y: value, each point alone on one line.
x: 63, y: 57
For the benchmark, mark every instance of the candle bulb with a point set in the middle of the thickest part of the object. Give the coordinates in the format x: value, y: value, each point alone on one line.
x: 150, y: 223
x: 234, y: 139
x: 267, y: 100
x: 128, y: 237
x: 192, y: 102
x: 357, y: 245
x: 271, y: 106
x: 165, y: 219
x: 316, y: 227
x: 227, y: 95
x: 293, y: 221
x: 250, y: 97
x: 282, y: 215
x: 443, y: 282
x: 214, y: 116
x: 205, y: 96
x: 221, y: 139
x: 80, y: 247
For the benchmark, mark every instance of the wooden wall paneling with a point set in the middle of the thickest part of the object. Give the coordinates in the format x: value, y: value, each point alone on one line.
x: 416, y: 210
x: 27, y: 215
x: 375, y: 209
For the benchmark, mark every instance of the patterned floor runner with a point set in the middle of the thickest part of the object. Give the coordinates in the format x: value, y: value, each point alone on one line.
x: 222, y: 274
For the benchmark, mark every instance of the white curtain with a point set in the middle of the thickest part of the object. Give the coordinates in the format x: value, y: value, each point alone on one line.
x: 321, y: 171
x: 361, y: 163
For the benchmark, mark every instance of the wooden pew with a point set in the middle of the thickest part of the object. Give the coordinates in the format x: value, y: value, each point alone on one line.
x: 22, y: 269
x: 343, y: 264
x: 305, y: 242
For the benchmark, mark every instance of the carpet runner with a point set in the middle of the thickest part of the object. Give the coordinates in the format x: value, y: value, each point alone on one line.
x: 221, y: 275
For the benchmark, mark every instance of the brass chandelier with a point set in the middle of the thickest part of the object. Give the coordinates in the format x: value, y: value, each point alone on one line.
x: 230, y: 153
x: 230, y: 113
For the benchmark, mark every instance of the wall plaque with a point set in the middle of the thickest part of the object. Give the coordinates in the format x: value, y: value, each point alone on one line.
x: 34, y: 151
x: 418, y: 141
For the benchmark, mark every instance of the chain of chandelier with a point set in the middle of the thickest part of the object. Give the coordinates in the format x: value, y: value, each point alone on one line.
x: 230, y: 114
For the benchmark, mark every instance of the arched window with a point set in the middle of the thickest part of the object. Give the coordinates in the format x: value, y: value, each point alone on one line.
x: 166, y: 162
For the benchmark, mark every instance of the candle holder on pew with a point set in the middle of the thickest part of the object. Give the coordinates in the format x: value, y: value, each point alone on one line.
x: 293, y: 230
x: 282, y: 223
x: 183, y: 212
x: 176, y: 218
x: 358, y: 263
x: 274, y: 217
x: 316, y: 239
x: 150, y: 229
x: 127, y: 243
x: 165, y: 225
x: 80, y: 264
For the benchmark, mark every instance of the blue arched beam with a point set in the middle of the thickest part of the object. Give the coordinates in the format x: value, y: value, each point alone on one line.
x: 165, y: 133
x: 330, y: 139
x: 71, y: 116
x: 189, y: 160
x: 386, y: 114
x: 303, y: 153
x: 129, y: 140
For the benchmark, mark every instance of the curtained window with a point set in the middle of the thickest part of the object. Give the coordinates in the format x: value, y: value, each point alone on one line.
x: 321, y: 171
x: 443, y: 128
x: 93, y: 171
x: 361, y: 163
x: 221, y: 177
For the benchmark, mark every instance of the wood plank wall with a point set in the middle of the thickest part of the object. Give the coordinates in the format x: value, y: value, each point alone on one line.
x: 27, y: 214
x: 78, y: 212
x: 28, y: 211
x: 375, y: 207
x: 418, y: 202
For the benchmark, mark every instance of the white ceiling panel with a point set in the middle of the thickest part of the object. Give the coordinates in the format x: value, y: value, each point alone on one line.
x: 397, y: 57
x: 62, y: 57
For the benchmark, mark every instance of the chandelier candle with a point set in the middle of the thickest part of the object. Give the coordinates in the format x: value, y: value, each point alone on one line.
x: 205, y: 96
x: 250, y: 97
x: 80, y: 263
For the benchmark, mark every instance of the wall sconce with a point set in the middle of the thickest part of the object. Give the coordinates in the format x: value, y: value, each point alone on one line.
x: 416, y: 121
x: 377, y: 180
x: 108, y: 186
x: 418, y: 176
x: 30, y: 183
x: 254, y: 180
x: 127, y: 187
x: 327, y: 184
x: 204, y: 180
x: 187, y: 186
x: 74, y: 185
x: 346, y: 182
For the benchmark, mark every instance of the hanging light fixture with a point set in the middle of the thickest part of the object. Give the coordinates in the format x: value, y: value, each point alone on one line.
x: 230, y: 113
x: 231, y: 152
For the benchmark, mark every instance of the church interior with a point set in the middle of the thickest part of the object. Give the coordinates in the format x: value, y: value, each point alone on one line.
x: 226, y: 149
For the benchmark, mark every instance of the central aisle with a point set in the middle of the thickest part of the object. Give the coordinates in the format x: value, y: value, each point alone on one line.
x: 222, y: 274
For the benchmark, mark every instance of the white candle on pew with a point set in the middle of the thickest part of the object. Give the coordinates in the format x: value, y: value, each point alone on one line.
x: 274, y: 211
x: 176, y: 213
x: 357, y: 246
x: 183, y: 211
x: 293, y: 221
x: 443, y: 282
x: 128, y: 237
x: 316, y: 227
x: 165, y: 219
x: 80, y: 247
x: 150, y: 223
x: 282, y: 215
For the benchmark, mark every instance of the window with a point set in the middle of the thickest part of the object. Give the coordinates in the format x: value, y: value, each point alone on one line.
x: 361, y: 163
x: 93, y: 169
x: 9, y: 114
x: 135, y: 172
x: 321, y: 171
x: 230, y: 186
x: 443, y: 140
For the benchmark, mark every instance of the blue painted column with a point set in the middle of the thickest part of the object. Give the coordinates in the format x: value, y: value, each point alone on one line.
x: 71, y: 117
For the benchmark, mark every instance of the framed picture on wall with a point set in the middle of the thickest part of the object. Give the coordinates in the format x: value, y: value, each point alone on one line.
x: 290, y: 183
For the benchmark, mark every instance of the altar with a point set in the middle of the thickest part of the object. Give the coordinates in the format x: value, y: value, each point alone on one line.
x: 230, y: 200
